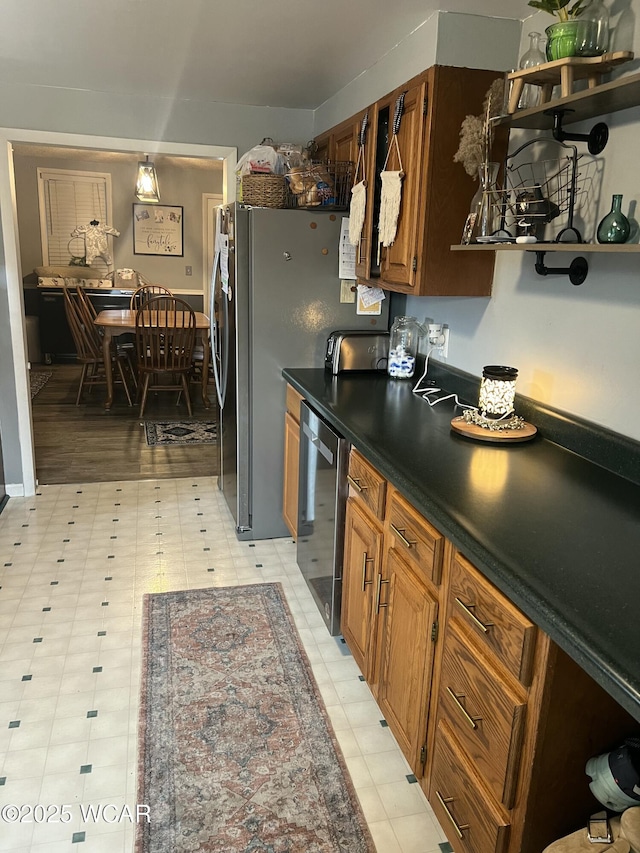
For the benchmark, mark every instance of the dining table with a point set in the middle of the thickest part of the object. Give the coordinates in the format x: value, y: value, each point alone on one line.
x: 115, y: 321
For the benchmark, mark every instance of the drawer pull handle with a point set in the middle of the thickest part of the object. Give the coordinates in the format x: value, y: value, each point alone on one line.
x: 378, y: 590
x: 365, y: 560
x: 443, y: 802
x: 468, y: 609
x: 355, y: 482
x: 400, y: 534
x: 473, y: 721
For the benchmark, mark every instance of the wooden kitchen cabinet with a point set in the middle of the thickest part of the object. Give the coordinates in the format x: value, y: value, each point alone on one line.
x: 406, y: 608
x: 291, y: 459
x: 495, y: 720
x: 361, y: 569
x: 512, y: 724
x: 389, y: 603
x: 436, y: 192
x: 362, y: 562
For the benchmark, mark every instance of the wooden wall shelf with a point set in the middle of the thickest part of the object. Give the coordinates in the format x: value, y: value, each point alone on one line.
x: 620, y: 94
x: 576, y: 248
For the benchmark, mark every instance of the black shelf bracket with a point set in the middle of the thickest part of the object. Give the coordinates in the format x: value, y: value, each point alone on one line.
x: 577, y: 269
x: 596, y: 139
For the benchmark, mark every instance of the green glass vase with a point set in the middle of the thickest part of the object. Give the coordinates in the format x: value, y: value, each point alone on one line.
x: 614, y: 228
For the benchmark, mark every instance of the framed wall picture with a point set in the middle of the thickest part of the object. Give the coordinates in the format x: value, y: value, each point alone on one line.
x: 157, y: 229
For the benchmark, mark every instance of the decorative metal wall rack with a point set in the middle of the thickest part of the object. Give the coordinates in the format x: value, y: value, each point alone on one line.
x: 610, y: 97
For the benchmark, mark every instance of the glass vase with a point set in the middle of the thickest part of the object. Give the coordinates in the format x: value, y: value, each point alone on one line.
x: 530, y: 96
x: 485, y: 205
x: 592, y: 31
x: 614, y: 228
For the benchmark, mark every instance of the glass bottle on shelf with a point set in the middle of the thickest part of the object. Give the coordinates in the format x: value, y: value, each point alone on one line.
x: 592, y: 30
x: 614, y: 228
x: 485, y: 205
x: 403, y: 347
x: 530, y: 96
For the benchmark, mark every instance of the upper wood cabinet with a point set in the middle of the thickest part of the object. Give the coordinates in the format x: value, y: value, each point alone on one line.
x: 436, y: 192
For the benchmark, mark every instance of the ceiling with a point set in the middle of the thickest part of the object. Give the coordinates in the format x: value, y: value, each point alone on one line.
x: 286, y: 53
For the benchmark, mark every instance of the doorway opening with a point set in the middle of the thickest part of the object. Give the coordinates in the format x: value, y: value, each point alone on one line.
x: 59, y: 146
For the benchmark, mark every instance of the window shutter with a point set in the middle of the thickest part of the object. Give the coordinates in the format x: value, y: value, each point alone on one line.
x: 69, y: 199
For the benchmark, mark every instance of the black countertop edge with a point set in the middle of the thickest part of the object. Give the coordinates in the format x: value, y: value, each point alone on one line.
x: 508, y: 578
x: 611, y: 450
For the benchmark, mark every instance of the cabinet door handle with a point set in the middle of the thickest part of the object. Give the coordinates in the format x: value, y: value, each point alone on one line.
x: 468, y: 609
x: 400, y: 531
x: 378, y: 590
x: 365, y: 560
x: 444, y: 803
x: 355, y: 482
x: 473, y: 721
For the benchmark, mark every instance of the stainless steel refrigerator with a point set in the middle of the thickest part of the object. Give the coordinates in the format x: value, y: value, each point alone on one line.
x: 273, y: 304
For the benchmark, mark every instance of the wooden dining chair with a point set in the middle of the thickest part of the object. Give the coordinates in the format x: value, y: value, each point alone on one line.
x: 88, y: 342
x: 165, y: 338
x: 146, y: 292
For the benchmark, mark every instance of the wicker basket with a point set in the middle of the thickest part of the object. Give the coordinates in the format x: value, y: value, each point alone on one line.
x: 264, y: 190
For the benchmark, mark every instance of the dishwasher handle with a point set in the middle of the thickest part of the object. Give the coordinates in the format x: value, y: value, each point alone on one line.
x: 318, y: 443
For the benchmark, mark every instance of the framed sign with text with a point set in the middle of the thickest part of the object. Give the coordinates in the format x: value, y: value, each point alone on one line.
x: 157, y: 229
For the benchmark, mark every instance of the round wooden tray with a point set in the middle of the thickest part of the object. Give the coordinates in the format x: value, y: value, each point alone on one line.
x: 498, y: 436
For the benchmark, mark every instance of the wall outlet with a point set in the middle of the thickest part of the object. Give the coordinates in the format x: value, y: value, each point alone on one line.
x: 188, y: 270
x: 444, y: 346
x: 438, y: 338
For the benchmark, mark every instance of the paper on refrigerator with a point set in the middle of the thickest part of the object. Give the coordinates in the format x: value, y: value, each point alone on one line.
x: 369, y: 299
x: 347, y: 264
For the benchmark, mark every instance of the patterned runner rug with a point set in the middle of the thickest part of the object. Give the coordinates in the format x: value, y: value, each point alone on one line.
x: 236, y: 752
x: 180, y: 432
x: 37, y: 380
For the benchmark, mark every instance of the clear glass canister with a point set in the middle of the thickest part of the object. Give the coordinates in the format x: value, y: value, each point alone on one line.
x: 403, y: 347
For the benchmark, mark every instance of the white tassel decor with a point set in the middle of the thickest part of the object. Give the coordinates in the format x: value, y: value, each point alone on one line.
x: 357, y: 211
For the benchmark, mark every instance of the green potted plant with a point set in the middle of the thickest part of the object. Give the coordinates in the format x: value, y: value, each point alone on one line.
x: 582, y: 28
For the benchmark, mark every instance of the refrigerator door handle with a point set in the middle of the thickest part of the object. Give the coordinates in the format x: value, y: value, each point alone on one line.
x: 219, y: 337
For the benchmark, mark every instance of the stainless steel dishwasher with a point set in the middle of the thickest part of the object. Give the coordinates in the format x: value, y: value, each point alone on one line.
x: 322, y: 495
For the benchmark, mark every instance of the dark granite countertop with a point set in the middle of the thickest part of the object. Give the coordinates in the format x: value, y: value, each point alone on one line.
x: 558, y: 533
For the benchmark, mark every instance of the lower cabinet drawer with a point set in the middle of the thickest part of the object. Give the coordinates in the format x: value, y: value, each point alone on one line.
x: 495, y: 621
x: 486, y: 715
x: 471, y: 821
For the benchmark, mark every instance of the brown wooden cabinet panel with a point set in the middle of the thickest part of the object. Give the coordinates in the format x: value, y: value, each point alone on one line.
x: 361, y: 567
x: 291, y: 459
x: 485, y: 713
x: 399, y: 261
x: 406, y: 648
x: 418, y: 540
x: 472, y: 822
x: 492, y: 619
x: 291, y: 465
x: 367, y: 483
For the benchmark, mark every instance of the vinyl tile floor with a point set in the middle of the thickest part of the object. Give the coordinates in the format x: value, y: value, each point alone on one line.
x: 75, y: 562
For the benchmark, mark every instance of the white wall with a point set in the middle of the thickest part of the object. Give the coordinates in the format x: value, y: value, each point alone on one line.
x: 133, y: 117
x: 446, y: 38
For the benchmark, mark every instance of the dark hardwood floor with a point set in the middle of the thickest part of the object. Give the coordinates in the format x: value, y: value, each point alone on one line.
x: 86, y: 444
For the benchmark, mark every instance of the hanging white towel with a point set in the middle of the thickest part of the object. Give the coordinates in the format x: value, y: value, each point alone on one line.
x: 357, y: 212
x: 389, y: 206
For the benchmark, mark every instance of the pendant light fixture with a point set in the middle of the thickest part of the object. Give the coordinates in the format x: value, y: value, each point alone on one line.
x: 147, y: 182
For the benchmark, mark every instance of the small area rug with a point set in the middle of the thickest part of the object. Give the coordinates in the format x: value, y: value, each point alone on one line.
x: 171, y: 433
x: 236, y: 753
x: 37, y: 380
